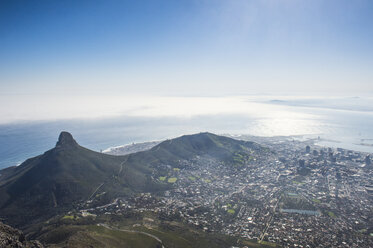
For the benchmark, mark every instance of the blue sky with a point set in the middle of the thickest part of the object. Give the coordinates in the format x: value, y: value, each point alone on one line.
x: 191, y: 48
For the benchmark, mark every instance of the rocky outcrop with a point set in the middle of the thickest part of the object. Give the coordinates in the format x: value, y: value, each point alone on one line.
x: 66, y: 140
x: 13, y: 238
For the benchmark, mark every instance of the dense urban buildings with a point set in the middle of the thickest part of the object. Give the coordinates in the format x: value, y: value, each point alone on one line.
x: 292, y: 194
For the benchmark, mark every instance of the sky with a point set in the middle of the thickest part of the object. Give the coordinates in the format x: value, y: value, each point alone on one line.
x: 196, y: 48
x: 192, y: 47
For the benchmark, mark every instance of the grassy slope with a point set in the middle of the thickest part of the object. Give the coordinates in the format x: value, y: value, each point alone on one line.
x: 95, y: 236
x: 173, y: 235
x: 78, y: 232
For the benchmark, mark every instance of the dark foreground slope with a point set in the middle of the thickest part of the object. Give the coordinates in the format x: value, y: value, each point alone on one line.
x: 10, y: 237
x: 69, y: 175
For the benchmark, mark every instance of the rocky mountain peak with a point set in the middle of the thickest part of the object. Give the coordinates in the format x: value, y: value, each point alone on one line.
x: 66, y: 140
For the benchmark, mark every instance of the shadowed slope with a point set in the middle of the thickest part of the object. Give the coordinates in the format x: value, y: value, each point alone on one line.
x: 58, y: 180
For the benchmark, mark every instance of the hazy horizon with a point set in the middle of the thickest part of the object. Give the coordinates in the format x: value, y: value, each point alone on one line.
x: 52, y: 108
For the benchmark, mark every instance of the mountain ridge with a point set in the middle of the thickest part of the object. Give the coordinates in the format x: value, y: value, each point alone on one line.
x: 69, y: 174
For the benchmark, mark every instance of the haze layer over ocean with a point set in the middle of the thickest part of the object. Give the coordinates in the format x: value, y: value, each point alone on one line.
x: 99, y: 122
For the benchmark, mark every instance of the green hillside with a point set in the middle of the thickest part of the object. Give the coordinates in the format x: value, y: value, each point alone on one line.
x: 188, y: 146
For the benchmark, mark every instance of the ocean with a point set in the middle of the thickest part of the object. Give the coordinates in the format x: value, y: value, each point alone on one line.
x: 338, y: 126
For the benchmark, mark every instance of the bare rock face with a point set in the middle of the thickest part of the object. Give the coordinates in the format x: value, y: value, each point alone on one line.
x: 66, y: 140
x: 13, y: 238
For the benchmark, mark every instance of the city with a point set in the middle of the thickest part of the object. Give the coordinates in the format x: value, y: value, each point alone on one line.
x: 294, y: 194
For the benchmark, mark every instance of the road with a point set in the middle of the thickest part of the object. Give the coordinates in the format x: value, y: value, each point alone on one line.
x: 102, y: 184
x: 94, y: 192
x: 270, y: 219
